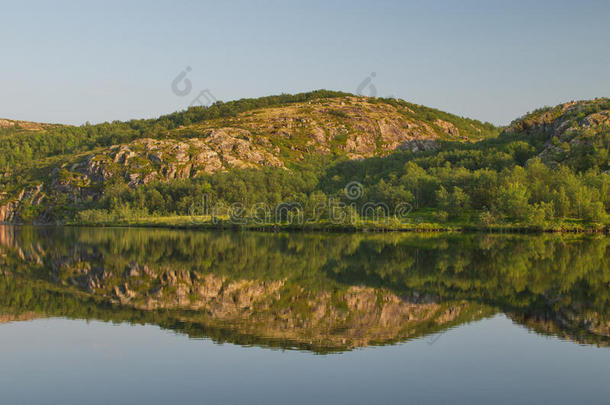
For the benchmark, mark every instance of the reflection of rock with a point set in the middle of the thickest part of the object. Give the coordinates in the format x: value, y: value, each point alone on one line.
x: 579, y: 329
x: 292, y: 290
x: 28, y: 316
x: 359, y: 316
x: 272, y: 310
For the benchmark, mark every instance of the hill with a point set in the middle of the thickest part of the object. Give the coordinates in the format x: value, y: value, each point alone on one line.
x: 304, y: 150
x: 575, y: 133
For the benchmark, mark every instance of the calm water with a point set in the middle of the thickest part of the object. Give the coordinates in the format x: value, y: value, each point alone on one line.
x: 162, y: 316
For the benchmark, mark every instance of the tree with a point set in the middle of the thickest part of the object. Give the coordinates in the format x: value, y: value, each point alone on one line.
x: 454, y: 203
x: 512, y: 200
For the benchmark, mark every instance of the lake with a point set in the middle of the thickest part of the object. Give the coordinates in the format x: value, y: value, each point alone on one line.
x: 99, y: 315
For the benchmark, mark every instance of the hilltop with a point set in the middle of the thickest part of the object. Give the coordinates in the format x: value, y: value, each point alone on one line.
x: 273, y: 130
x: 16, y: 126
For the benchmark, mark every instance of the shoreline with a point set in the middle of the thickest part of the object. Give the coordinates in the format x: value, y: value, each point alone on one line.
x: 166, y: 223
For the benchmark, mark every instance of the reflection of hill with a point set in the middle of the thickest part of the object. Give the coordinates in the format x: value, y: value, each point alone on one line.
x: 27, y: 316
x: 581, y: 330
x: 252, y: 313
x: 564, y: 278
x: 319, y: 292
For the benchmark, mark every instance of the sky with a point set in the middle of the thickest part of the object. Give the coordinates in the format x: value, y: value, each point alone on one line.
x: 74, y: 61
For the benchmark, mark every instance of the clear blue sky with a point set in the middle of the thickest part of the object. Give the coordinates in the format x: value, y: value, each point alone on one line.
x: 72, y: 62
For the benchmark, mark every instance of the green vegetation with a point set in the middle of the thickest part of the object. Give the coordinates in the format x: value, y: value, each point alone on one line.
x: 548, y: 170
x: 454, y: 188
x: 246, y: 287
x: 471, y: 129
x: 20, y: 146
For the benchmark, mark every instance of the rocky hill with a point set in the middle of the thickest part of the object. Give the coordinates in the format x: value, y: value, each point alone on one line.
x: 200, y: 142
x: 356, y: 127
x: 577, y: 133
x: 308, y: 146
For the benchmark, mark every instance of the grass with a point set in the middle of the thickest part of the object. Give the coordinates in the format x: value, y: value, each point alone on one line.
x: 416, y: 224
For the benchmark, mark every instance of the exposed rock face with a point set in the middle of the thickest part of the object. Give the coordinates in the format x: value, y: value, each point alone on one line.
x: 9, y: 211
x: 596, y: 119
x: 566, y: 127
x: 447, y: 127
x: 145, y: 160
x: 354, y: 126
x: 418, y: 145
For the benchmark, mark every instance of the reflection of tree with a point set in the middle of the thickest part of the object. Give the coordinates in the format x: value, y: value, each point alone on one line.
x: 565, y: 278
x: 312, y: 286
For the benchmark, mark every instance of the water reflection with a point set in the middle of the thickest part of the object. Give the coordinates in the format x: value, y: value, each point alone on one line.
x: 319, y: 292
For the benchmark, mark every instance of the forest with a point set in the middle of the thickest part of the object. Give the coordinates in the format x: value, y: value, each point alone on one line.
x: 488, y: 183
